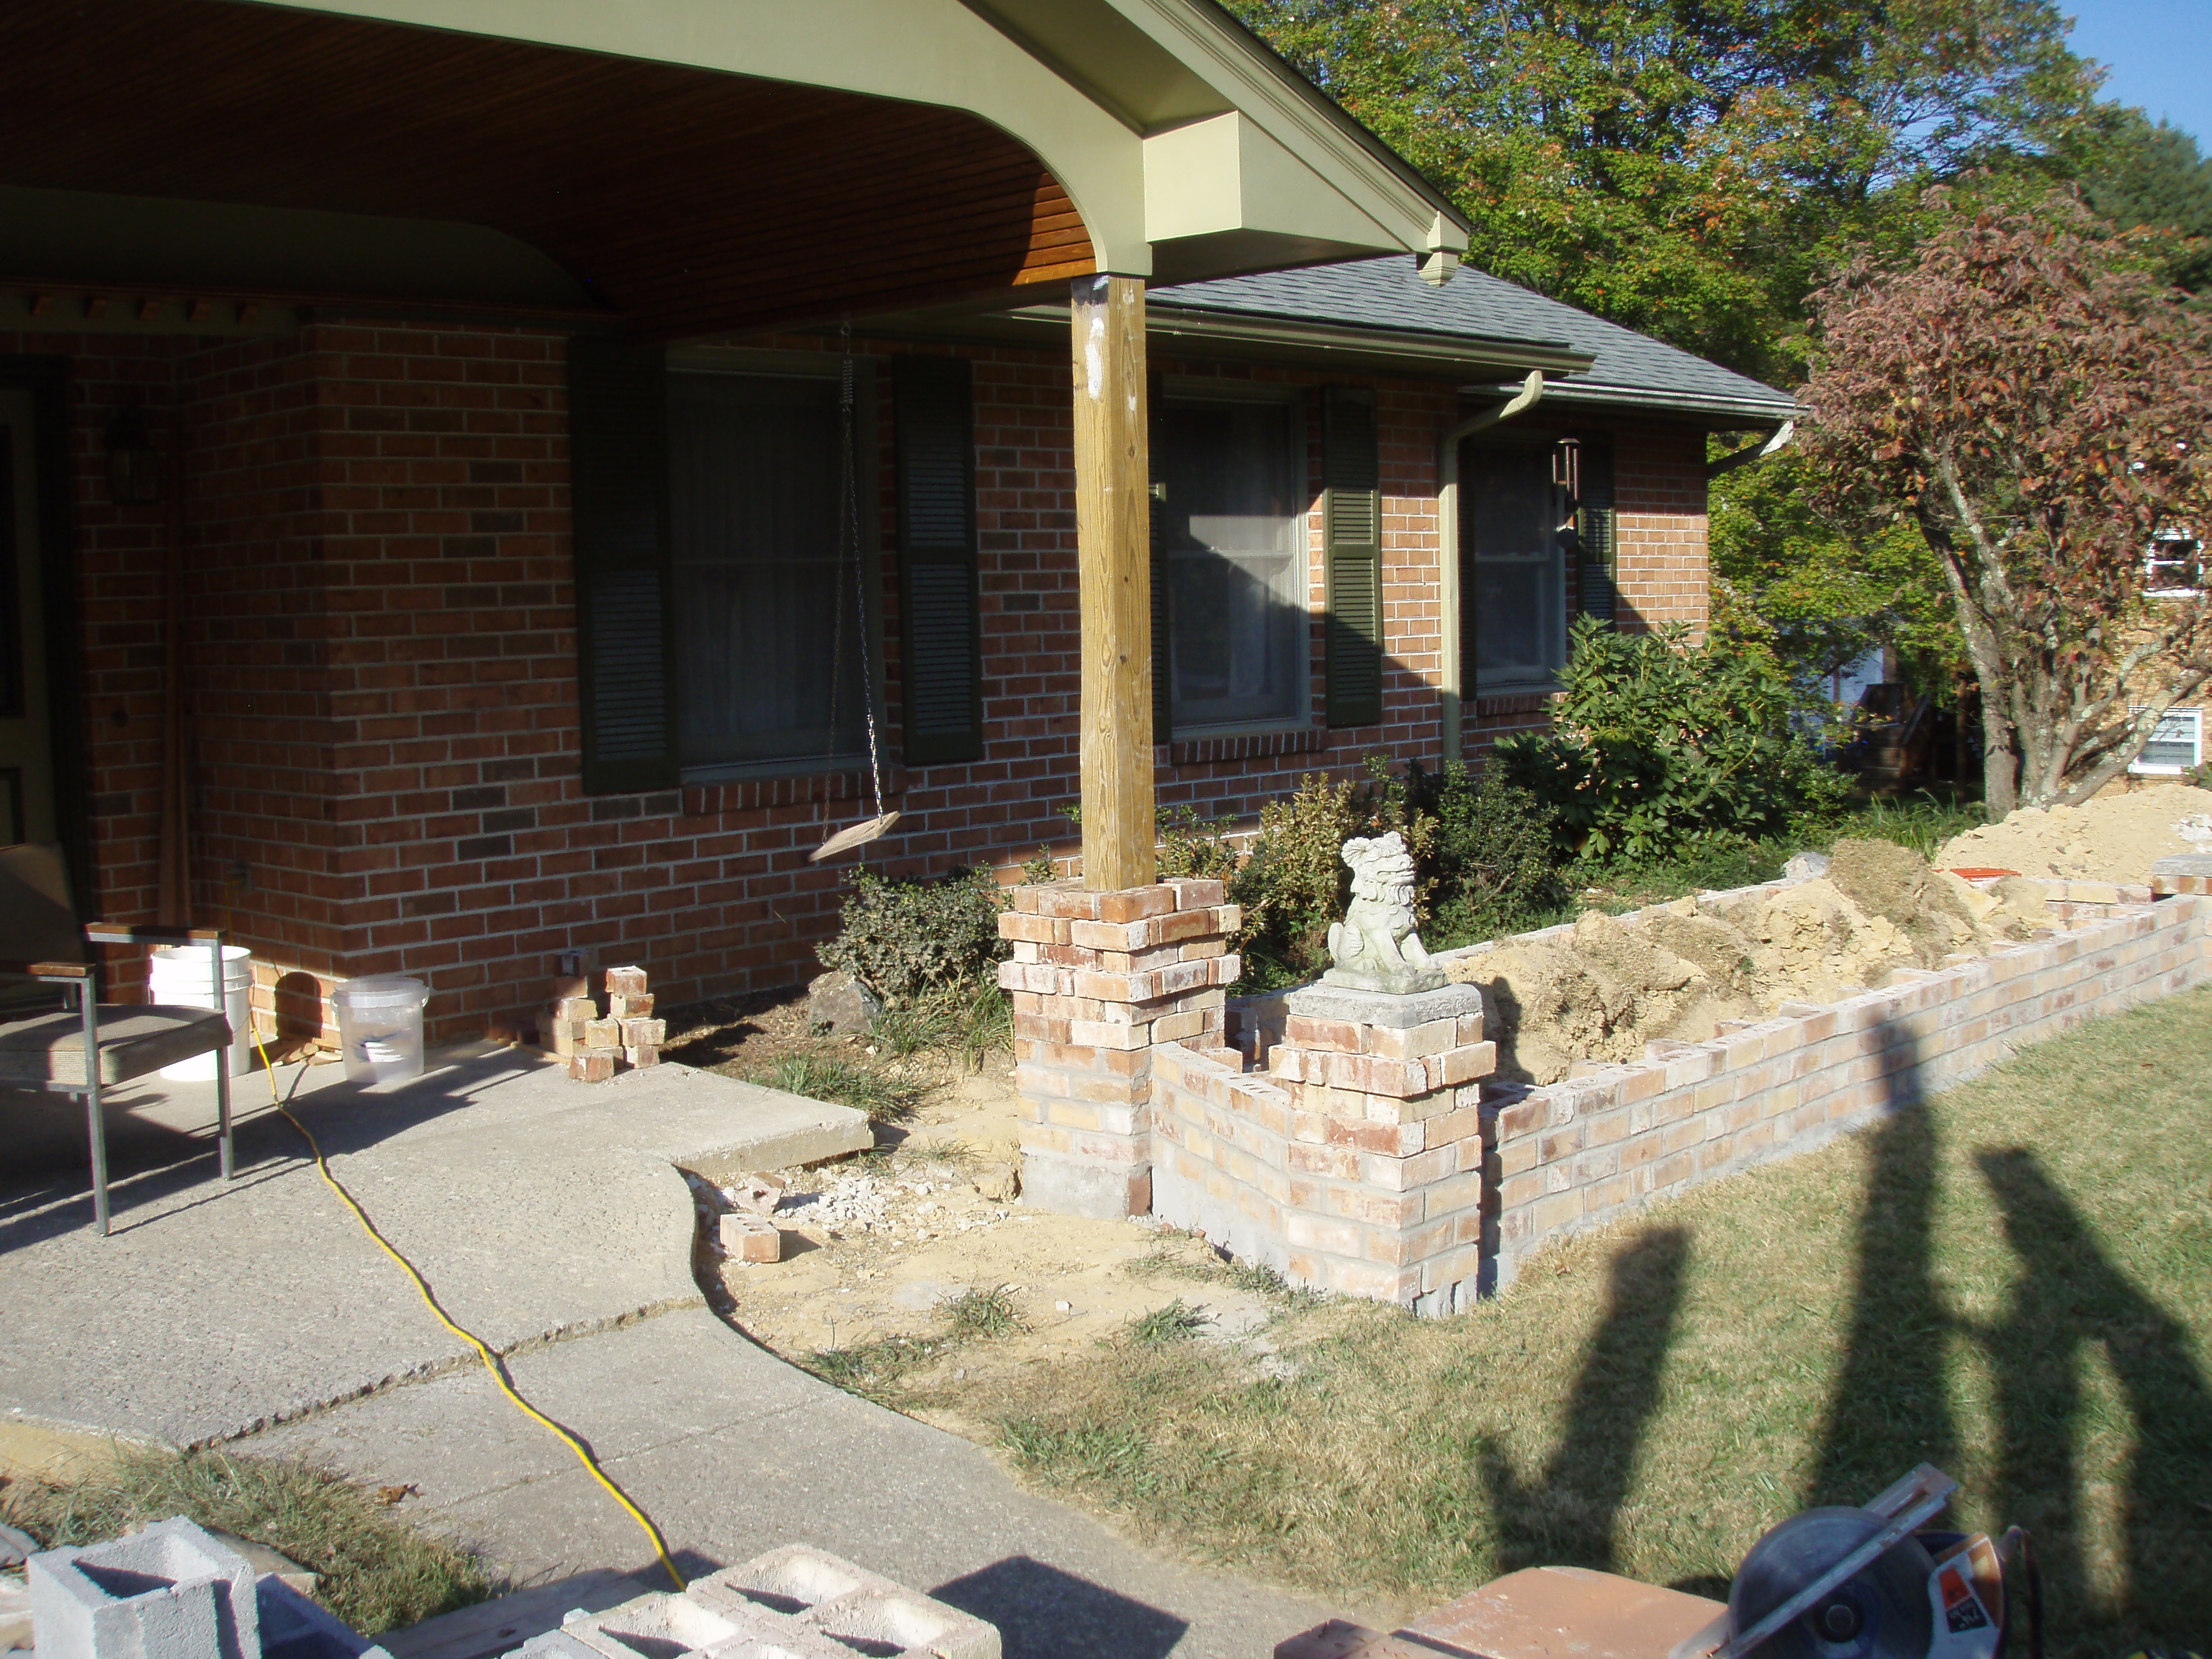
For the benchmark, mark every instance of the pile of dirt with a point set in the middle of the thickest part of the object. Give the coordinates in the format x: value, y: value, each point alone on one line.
x: 2111, y: 838
x: 1614, y: 984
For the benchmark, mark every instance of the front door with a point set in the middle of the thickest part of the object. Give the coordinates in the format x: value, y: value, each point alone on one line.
x: 28, y: 810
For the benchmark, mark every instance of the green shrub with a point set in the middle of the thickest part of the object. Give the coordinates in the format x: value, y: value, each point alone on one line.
x: 1658, y: 744
x: 1494, y: 863
x: 1193, y: 846
x: 1295, y: 883
x: 903, y: 939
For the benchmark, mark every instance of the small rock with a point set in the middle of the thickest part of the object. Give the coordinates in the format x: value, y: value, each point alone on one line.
x: 759, y: 1194
x: 838, y: 1002
x: 1805, y: 866
x: 1000, y: 1183
x: 1065, y: 1307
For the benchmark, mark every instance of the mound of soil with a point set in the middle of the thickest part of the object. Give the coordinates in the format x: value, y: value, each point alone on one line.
x: 2111, y: 838
x: 1613, y: 984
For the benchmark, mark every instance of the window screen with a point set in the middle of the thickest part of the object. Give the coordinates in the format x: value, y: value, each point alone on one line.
x: 1512, y: 574
x: 1232, y: 522
x: 768, y: 643
x: 2177, y: 745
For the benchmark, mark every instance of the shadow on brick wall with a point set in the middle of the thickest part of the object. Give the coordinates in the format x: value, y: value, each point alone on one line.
x: 1567, y: 1514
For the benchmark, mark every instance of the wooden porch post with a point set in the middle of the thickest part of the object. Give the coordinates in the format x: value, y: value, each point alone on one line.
x: 1113, y: 535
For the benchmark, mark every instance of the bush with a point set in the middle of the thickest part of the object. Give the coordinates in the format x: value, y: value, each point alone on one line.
x: 903, y: 939
x: 1296, y: 884
x: 1494, y: 864
x: 1659, y: 743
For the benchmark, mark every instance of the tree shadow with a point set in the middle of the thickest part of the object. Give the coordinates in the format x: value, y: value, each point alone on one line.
x: 1891, y: 1407
x: 1568, y: 1516
x: 2069, y: 1300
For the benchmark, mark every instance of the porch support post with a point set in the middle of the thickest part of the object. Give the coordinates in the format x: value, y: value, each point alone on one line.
x: 1113, y: 535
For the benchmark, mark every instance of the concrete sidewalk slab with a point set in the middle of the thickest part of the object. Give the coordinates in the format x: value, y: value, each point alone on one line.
x: 536, y: 1207
x: 732, y: 1452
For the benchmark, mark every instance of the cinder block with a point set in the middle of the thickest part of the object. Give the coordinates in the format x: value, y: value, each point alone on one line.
x: 170, y: 1592
x: 861, y: 1610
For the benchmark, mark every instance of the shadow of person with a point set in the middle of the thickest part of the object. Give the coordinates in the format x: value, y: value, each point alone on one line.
x: 2068, y: 1300
x: 1891, y: 1407
x: 1568, y: 1516
x: 1041, y: 1610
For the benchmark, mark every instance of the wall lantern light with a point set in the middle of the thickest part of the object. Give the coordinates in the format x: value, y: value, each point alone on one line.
x: 134, y: 469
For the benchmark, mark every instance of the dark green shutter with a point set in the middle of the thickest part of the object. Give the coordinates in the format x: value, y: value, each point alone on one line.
x: 625, y: 623
x: 1596, y: 531
x: 939, y: 597
x: 1352, y: 519
x: 1162, y: 611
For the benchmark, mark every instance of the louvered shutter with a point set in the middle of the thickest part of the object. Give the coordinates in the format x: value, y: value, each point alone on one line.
x: 625, y: 626
x: 1596, y: 531
x: 940, y: 601
x: 1352, y: 522
x: 1162, y: 612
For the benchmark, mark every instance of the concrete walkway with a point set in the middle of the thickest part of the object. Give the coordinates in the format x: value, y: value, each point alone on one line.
x: 551, y: 1220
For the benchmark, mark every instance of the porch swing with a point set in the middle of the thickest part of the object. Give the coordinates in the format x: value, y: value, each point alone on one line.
x: 849, y: 558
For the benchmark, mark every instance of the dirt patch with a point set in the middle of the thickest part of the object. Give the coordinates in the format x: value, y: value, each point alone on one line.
x: 879, y: 1251
x: 2112, y: 838
x: 1600, y: 993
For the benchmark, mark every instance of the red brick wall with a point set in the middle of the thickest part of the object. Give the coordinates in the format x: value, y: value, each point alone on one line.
x: 384, y: 668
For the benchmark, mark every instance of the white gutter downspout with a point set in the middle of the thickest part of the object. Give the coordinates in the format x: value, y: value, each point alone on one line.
x: 1449, y: 688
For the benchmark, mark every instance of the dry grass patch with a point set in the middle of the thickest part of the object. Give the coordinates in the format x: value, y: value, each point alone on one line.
x: 2013, y: 1281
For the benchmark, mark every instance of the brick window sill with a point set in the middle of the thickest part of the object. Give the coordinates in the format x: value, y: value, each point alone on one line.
x: 1201, y: 750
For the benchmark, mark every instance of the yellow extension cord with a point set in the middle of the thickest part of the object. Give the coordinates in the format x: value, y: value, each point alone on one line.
x: 429, y: 1301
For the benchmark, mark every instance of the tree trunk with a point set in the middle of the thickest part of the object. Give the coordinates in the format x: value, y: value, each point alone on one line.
x: 2000, y: 760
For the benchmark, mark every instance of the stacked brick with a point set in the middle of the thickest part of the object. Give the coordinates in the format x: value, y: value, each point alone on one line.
x: 597, y: 1045
x: 1580, y: 1154
x: 1350, y: 1157
x: 1097, y: 981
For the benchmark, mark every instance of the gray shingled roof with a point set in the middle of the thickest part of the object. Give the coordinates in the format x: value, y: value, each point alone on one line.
x: 1388, y: 293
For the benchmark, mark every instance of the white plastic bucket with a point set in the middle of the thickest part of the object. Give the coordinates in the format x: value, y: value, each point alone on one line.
x: 380, y: 1027
x: 178, y: 974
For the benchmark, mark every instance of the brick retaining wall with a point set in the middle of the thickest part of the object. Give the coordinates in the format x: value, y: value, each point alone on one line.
x: 1431, y: 1199
x: 1575, y: 1155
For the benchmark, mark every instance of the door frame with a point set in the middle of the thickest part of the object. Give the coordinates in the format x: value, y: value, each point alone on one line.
x: 45, y: 377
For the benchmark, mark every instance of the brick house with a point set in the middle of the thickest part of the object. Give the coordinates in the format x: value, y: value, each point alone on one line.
x: 442, y: 542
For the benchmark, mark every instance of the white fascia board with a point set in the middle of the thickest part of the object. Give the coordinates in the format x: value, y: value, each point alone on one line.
x: 1302, y: 120
x: 926, y: 51
x: 1226, y: 174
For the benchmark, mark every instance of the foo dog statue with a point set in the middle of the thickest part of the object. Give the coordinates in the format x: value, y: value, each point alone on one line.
x: 1375, y: 947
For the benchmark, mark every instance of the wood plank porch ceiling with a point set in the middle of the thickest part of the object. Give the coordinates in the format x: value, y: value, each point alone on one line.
x: 688, y: 202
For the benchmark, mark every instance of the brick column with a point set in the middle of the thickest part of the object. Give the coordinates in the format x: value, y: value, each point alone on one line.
x: 1097, y: 980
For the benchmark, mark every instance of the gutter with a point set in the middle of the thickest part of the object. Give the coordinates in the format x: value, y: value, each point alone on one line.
x: 1386, y: 345
x: 1775, y: 440
x: 1760, y: 412
x: 1450, y: 692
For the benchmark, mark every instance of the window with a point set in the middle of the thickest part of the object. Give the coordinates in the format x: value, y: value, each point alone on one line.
x: 724, y: 626
x: 2174, y: 567
x: 1516, y: 576
x: 2175, y: 747
x: 770, y: 636
x: 1232, y: 543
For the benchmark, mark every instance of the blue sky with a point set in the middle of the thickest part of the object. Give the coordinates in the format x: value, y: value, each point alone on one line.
x: 2159, y: 53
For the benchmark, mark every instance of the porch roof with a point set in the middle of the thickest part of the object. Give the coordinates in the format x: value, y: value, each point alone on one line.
x: 686, y: 166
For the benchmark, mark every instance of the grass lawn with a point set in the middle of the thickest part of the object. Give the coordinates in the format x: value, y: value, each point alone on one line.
x: 2013, y: 1281
x: 378, y: 1572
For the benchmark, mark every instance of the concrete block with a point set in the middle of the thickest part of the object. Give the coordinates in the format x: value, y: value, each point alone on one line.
x: 861, y: 1610
x: 170, y: 1592
x: 1334, y: 1002
x: 1077, y: 1186
x: 295, y: 1627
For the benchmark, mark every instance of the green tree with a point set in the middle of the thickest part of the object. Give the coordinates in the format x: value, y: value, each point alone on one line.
x: 2153, y: 177
x: 1689, y: 167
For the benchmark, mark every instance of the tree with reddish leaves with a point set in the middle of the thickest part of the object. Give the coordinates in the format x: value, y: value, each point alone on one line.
x: 2040, y: 406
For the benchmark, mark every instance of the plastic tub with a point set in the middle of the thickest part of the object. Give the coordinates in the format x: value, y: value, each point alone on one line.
x: 176, y: 977
x: 380, y: 1027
